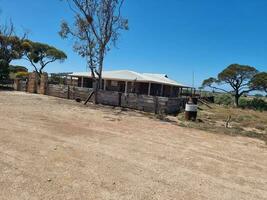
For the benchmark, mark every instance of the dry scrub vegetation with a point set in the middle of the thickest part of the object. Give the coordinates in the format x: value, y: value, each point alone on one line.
x: 243, y: 122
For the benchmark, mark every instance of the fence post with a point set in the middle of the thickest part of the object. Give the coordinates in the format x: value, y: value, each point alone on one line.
x: 73, y: 91
x: 156, y: 101
x: 120, y: 95
x: 68, y: 92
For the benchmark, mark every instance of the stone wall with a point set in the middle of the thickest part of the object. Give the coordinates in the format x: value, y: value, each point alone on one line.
x: 32, y: 83
x: 42, y: 86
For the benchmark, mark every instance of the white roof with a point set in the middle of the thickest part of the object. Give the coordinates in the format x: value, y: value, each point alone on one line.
x: 127, y: 75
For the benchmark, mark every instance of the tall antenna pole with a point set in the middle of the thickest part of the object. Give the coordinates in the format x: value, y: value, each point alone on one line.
x: 193, y: 79
x: 193, y: 83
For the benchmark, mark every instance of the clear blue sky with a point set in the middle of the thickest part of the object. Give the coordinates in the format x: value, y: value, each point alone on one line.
x: 175, y: 37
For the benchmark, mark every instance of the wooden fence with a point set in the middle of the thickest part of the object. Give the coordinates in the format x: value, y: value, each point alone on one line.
x: 134, y: 101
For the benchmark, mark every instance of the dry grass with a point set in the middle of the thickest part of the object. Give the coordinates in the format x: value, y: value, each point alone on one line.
x: 243, y: 122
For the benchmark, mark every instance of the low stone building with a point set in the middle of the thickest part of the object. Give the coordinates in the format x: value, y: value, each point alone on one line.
x: 126, y: 81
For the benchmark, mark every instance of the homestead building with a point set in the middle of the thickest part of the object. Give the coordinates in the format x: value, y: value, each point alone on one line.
x: 126, y: 81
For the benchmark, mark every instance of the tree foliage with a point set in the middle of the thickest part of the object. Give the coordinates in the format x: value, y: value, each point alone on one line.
x: 208, y: 82
x: 40, y: 55
x: 96, y: 28
x: 10, y: 44
x: 259, y: 82
x: 22, y: 75
x: 223, y: 99
x: 13, y: 47
x: 17, y: 68
x: 10, y: 48
x: 238, y: 77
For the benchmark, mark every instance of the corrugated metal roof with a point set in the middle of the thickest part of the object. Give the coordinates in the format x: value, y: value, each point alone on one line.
x: 127, y: 75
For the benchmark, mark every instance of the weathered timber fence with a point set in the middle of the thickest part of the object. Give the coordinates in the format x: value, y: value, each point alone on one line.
x: 134, y: 101
x: 67, y: 92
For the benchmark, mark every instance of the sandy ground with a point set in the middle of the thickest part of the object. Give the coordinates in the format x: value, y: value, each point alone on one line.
x: 52, y: 148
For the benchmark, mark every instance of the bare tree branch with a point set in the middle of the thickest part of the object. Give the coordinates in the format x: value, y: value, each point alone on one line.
x: 96, y: 28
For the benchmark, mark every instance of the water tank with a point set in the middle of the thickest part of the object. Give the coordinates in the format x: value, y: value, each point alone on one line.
x: 190, y: 111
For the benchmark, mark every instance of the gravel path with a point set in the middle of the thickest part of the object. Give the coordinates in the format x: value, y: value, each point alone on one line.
x: 52, y: 148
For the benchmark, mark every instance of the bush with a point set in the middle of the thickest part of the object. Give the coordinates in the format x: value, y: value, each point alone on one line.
x: 16, y: 69
x: 58, y: 80
x: 243, y: 103
x: 224, y: 99
x: 258, y: 95
x: 256, y: 104
x: 22, y: 74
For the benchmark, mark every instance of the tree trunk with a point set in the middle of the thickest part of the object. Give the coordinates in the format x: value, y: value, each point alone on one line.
x: 39, y: 73
x: 101, y: 60
x: 96, y: 89
x: 237, y: 100
x: 99, y: 80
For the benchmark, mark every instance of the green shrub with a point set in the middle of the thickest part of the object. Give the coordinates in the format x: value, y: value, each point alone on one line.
x: 17, y: 68
x: 243, y: 103
x: 258, y: 95
x: 224, y: 99
x: 22, y: 74
x: 256, y: 104
x: 54, y: 79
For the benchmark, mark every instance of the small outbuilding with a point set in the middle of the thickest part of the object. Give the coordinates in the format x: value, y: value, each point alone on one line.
x: 126, y: 81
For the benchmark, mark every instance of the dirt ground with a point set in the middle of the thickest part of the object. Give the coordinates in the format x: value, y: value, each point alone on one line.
x: 243, y: 122
x: 52, y: 148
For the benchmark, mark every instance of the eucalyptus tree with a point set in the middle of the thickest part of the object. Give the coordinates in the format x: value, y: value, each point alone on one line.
x: 96, y: 28
x: 40, y: 55
x: 259, y: 82
x: 10, y: 47
x: 238, y: 77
